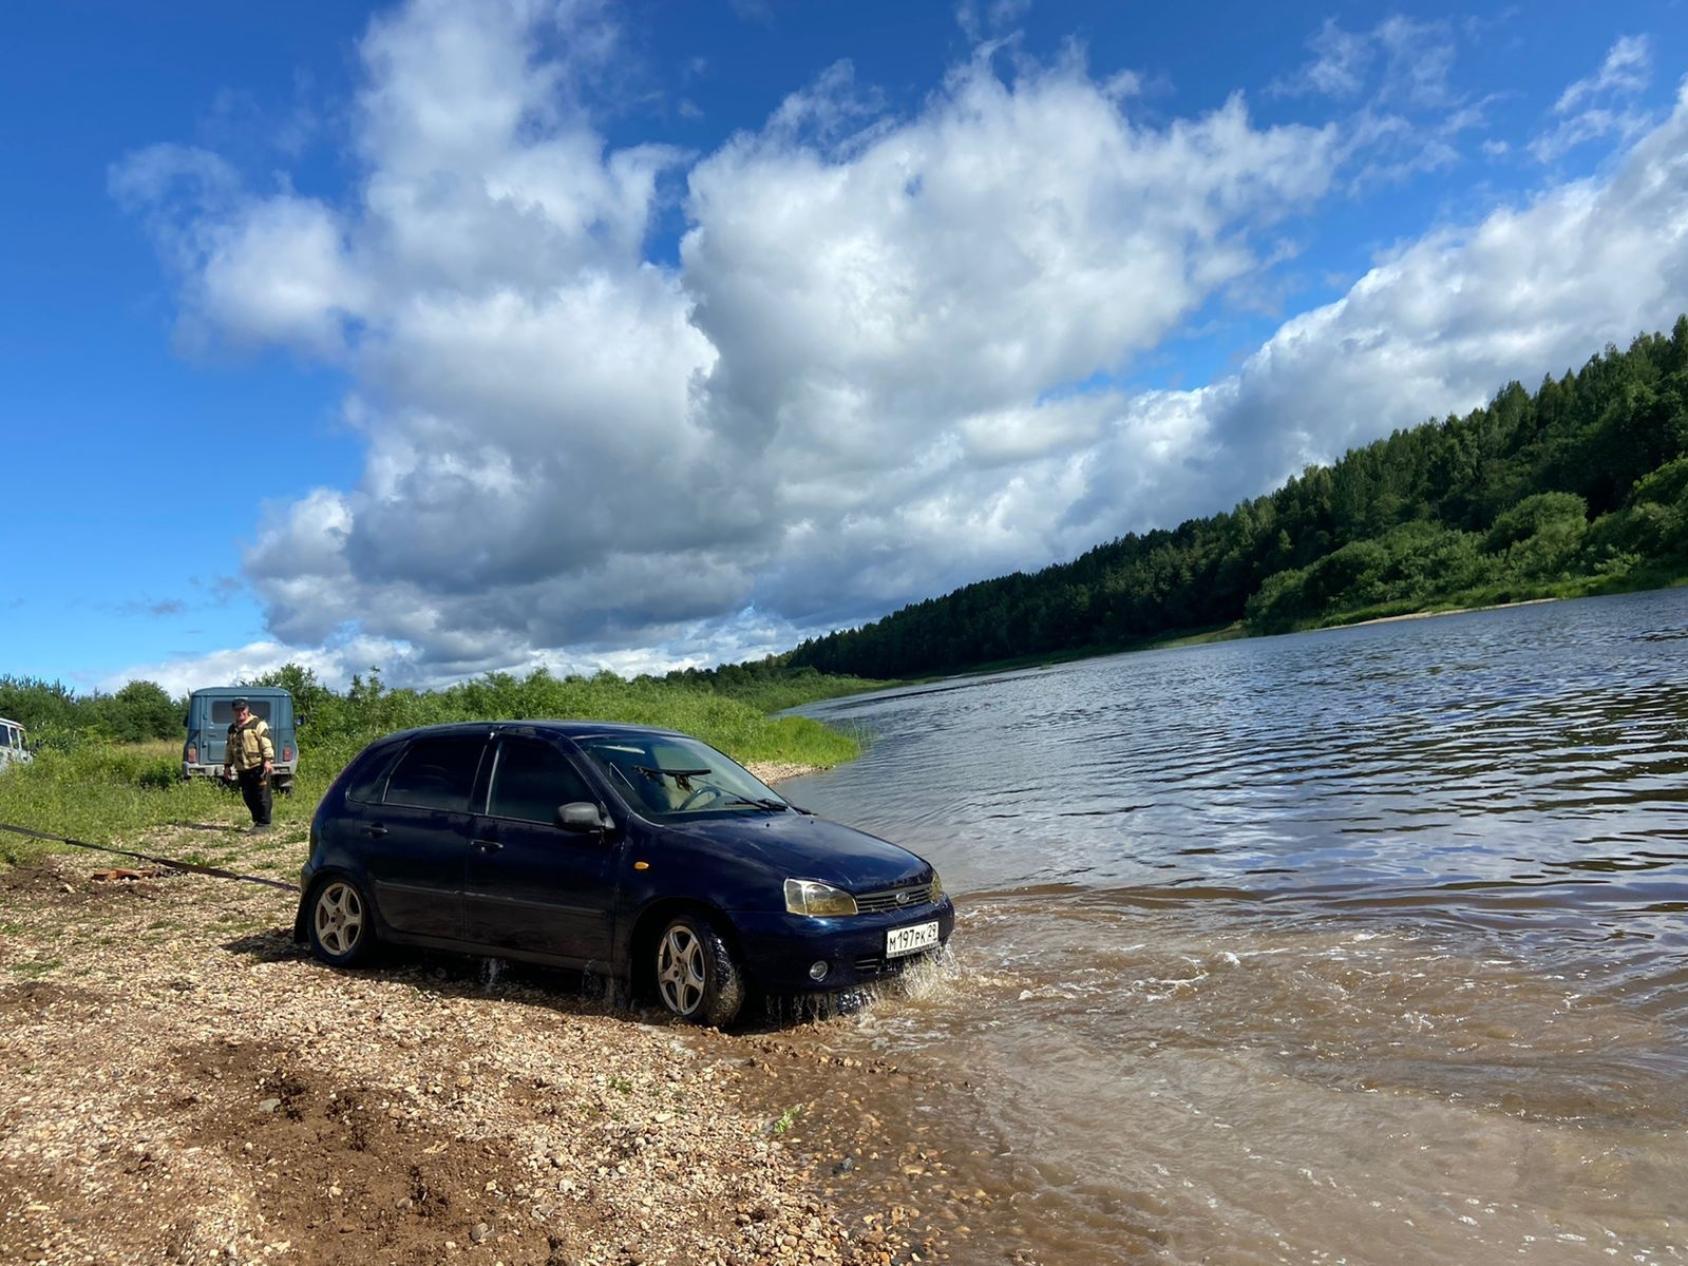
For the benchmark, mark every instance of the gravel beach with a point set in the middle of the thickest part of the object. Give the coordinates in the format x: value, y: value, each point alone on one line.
x: 180, y: 1082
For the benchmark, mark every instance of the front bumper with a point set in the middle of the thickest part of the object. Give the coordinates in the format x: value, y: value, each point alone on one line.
x: 778, y: 948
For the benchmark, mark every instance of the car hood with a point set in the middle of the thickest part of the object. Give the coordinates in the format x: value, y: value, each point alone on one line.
x: 802, y: 846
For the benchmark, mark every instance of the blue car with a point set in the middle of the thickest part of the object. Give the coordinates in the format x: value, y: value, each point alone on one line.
x: 636, y: 852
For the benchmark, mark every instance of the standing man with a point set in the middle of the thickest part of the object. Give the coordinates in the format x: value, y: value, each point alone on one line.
x: 251, y: 755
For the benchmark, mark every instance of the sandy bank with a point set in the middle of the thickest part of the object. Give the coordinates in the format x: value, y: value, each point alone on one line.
x: 1428, y: 615
x: 773, y: 771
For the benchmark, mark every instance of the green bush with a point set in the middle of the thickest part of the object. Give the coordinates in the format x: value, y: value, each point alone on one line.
x: 1553, y: 513
x: 1667, y: 486
x: 1646, y: 528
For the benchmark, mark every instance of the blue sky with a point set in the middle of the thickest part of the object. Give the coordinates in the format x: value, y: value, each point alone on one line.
x: 457, y: 336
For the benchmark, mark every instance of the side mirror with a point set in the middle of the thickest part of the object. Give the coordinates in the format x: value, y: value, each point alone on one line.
x: 581, y: 816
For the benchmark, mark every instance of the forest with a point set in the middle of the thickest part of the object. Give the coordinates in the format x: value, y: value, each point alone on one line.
x: 1579, y: 488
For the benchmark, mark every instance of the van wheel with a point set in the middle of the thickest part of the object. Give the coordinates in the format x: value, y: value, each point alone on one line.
x: 341, y: 923
x: 696, y: 975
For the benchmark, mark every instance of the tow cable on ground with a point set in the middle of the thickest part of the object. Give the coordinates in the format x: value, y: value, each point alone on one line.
x: 195, y: 868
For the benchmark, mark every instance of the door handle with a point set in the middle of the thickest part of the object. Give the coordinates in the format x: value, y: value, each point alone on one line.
x: 376, y: 830
x: 488, y: 846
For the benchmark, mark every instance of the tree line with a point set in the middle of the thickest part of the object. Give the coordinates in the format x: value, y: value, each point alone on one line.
x: 53, y: 715
x: 1581, y: 487
x: 56, y: 718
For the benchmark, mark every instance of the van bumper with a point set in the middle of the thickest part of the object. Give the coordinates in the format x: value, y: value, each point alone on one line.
x: 281, y: 777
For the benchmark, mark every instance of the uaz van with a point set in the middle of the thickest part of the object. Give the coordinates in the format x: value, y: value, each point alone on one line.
x: 12, y: 749
x: 210, y: 712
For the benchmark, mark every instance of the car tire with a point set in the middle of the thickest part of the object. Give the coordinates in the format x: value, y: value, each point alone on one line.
x: 340, y: 922
x: 697, y: 977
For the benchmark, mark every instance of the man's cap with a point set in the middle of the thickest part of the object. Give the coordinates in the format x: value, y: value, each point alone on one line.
x: 238, y: 704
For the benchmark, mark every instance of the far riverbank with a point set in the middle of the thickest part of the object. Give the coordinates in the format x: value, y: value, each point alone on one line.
x: 1237, y: 630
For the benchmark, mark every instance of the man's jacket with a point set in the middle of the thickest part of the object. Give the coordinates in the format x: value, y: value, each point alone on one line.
x: 249, y: 745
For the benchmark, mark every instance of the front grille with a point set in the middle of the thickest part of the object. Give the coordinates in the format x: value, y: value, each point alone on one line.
x: 913, y: 896
x: 877, y: 965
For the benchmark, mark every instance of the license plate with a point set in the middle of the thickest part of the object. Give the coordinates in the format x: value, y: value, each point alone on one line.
x: 910, y: 940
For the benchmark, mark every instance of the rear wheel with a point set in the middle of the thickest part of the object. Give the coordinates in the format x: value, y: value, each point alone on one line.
x: 341, y: 924
x: 697, y: 977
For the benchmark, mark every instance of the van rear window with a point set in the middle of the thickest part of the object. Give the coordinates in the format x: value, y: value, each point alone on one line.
x: 222, y: 711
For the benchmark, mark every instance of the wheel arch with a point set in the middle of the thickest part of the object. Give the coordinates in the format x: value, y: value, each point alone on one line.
x: 647, y: 927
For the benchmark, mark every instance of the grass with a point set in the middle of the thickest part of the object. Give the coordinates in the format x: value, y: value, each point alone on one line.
x: 36, y: 968
x: 120, y: 794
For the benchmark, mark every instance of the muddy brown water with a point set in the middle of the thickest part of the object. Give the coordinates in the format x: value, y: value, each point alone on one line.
x: 1362, y: 946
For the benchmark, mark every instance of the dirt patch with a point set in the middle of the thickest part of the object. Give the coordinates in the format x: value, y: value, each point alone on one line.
x: 62, y: 884
x: 352, y: 1174
x: 36, y: 998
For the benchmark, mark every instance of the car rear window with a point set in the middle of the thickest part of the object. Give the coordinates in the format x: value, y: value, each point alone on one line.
x: 369, y: 778
x: 530, y: 781
x: 436, y: 773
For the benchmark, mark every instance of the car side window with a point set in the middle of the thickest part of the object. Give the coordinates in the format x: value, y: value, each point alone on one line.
x: 531, y: 779
x: 436, y: 773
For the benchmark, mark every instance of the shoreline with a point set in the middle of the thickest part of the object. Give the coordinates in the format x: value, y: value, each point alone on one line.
x: 1431, y: 614
x: 1234, y: 632
x: 777, y: 771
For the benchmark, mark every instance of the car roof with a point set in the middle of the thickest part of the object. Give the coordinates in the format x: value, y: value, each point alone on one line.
x: 250, y: 692
x: 568, y: 729
x: 9, y: 721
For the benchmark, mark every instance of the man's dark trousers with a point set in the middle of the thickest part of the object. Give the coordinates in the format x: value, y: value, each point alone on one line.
x: 255, y: 790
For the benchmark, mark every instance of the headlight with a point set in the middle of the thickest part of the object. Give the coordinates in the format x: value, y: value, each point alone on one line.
x: 937, y: 886
x: 812, y: 897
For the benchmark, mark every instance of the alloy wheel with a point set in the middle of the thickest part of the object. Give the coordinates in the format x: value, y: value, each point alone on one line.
x: 339, y: 919
x: 679, y: 970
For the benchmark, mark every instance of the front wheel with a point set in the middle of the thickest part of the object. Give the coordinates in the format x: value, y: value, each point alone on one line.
x: 341, y: 924
x: 696, y: 974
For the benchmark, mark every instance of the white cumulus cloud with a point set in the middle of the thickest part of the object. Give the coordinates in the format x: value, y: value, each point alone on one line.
x: 885, y: 361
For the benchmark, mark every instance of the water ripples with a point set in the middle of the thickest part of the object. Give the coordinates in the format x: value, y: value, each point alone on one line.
x: 1365, y: 945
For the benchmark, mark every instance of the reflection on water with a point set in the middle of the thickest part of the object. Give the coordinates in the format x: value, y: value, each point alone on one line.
x: 1360, y: 946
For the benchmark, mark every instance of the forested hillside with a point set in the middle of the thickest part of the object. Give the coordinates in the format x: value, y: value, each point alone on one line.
x: 1579, y: 488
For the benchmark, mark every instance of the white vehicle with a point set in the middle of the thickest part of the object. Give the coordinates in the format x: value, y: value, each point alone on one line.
x: 12, y: 749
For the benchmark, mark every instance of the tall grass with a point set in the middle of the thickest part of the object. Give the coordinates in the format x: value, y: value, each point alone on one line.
x: 115, y: 793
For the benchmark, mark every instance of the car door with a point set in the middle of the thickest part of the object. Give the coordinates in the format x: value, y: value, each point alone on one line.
x: 415, y: 841
x: 533, y: 887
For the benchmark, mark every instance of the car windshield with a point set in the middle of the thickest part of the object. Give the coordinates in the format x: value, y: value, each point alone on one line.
x: 666, y: 776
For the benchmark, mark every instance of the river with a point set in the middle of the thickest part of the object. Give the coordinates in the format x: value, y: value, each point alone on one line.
x: 1362, y: 946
